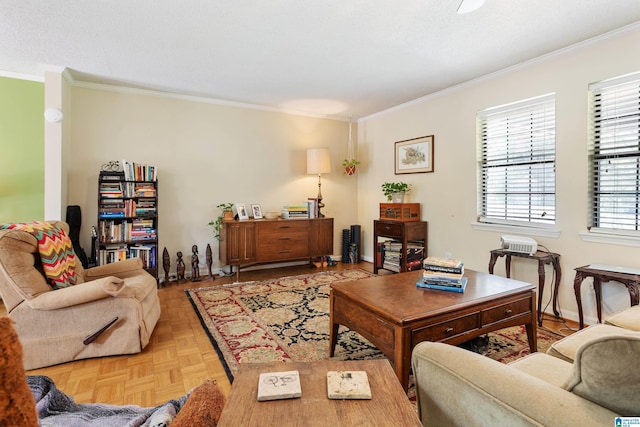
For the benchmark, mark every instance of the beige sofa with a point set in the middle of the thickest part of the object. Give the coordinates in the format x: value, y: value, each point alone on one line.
x: 592, y: 381
x: 52, y: 324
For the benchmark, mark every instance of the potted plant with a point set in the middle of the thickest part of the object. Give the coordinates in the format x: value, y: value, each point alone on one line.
x: 226, y: 215
x: 395, y: 191
x: 350, y: 166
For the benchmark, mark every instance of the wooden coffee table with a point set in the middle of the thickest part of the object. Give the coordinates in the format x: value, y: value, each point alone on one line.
x: 395, y: 315
x: 389, y: 405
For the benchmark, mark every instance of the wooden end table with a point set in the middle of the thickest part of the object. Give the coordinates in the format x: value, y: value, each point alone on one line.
x: 389, y: 405
x: 599, y: 275
x: 395, y: 315
x: 542, y: 258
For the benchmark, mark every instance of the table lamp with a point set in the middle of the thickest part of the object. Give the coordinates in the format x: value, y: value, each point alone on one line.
x: 318, y: 162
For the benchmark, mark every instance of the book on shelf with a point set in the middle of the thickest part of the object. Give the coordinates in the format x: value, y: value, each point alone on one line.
x: 139, y: 172
x: 427, y: 284
x: 295, y: 211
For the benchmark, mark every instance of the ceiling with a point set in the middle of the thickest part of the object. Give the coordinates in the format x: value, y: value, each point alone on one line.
x: 340, y: 58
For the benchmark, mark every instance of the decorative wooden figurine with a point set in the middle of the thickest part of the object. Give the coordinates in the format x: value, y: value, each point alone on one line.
x: 195, y: 264
x: 209, y: 260
x: 180, y: 267
x: 166, y: 264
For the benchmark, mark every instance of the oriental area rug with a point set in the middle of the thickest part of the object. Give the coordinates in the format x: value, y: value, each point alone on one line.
x: 287, y: 319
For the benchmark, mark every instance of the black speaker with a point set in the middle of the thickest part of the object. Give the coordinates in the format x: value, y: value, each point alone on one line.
x: 74, y: 219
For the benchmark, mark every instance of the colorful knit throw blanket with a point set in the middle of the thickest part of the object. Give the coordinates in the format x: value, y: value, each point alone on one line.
x: 56, y: 251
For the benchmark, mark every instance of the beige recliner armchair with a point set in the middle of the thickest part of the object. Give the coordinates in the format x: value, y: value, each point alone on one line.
x: 52, y: 324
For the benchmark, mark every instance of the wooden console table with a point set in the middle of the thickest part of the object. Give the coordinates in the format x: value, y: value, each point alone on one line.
x: 274, y: 240
x: 542, y: 258
x: 599, y: 275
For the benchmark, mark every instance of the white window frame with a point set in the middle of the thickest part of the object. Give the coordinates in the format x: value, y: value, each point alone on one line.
x: 505, y: 125
x: 614, y: 139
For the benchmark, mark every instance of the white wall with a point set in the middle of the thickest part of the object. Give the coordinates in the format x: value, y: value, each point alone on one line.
x: 448, y: 196
x: 206, y: 154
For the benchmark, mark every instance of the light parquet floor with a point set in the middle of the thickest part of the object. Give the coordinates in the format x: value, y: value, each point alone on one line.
x: 178, y: 357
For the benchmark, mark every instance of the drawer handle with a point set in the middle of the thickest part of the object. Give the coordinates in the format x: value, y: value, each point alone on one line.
x: 284, y: 238
x: 387, y: 228
x: 508, y: 312
x: 448, y: 330
x: 283, y: 252
x: 285, y: 226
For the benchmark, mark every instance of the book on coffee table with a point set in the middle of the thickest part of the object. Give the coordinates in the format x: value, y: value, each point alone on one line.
x: 348, y: 385
x: 279, y: 385
x: 443, y: 286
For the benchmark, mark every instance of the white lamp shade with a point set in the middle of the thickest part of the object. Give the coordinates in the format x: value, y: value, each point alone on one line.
x: 318, y: 161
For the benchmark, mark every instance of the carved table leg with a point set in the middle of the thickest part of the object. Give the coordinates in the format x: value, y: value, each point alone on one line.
x: 541, y: 280
x: 492, y: 261
x: 577, y: 283
x: 633, y: 292
x: 507, y: 265
x: 556, y: 286
x: 597, y: 287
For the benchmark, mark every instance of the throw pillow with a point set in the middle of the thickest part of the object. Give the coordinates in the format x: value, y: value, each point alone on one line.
x: 202, y: 408
x: 604, y: 372
x: 17, y: 406
x: 56, y: 252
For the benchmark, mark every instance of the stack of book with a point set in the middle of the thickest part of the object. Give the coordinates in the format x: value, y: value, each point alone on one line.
x: 443, y: 273
x: 389, y: 253
x: 295, y: 211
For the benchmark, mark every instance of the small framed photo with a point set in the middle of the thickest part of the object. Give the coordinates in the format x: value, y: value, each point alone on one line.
x: 241, y: 210
x: 257, y: 211
x: 414, y: 155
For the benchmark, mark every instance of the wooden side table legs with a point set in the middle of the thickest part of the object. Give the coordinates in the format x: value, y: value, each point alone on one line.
x: 542, y: 258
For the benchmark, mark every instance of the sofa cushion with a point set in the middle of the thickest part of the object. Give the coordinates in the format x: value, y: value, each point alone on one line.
x: 56, y: 251
x: 17, y: 406
x: 567, y: 347
x: 627, y: 319
x: 548, y: 368
x: 604, y: 372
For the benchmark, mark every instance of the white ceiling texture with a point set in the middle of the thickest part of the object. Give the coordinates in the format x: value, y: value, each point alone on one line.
x: 340, y: 58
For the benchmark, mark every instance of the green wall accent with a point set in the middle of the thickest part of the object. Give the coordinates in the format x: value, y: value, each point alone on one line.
x: 21, y: 150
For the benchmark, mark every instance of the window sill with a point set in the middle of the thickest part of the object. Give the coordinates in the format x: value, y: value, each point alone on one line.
x: 609, y: 238
x: 518, y: 230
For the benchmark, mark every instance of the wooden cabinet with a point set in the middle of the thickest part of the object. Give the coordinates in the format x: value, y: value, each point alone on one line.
x: 264, y: 240
x: 128, y: 217
x: 238, y: 239
x: 399, y: 246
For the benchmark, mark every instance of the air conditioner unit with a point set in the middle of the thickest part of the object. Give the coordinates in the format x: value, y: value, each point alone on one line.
x: 520, y: 244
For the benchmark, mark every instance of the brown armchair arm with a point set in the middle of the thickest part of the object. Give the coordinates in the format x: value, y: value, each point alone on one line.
x: 113, y: 269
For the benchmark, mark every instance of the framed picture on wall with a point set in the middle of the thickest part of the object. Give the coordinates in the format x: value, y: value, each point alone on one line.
x: 241, y: 210
x: 257, y: 211
x: 414, y: 155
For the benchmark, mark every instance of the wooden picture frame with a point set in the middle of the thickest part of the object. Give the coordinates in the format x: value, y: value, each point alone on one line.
x: 257, y: 211
x: 414, y: 155
x: 241, y: 211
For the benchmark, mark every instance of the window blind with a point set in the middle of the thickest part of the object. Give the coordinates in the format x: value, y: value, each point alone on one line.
x: 614, y: 154
x: 516, y: 163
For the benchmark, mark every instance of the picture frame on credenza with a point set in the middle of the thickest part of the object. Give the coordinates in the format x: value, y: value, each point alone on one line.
x: 241, y: 211
x: 257, y: 211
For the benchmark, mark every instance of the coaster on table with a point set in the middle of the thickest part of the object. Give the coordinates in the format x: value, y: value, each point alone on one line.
x: 348, y: 385
x: 279, y: 385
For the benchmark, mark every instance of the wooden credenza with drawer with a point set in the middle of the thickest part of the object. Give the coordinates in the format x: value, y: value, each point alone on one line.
x: 269, y: 241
